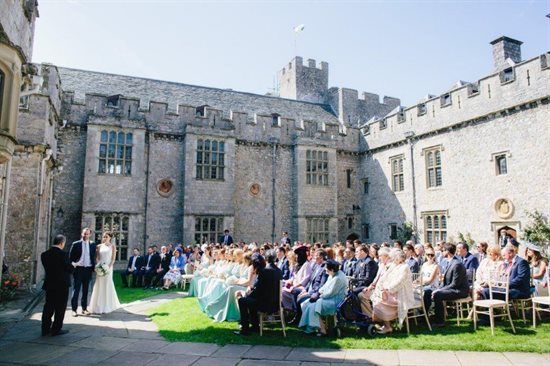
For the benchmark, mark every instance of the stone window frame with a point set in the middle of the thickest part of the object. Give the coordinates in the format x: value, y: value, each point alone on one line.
x: 208, y: 229
x: 118, y: 223
x: 435, y: 225
x: 366, y: 185
x: 497, y: 158
x: 446, y: 100
x: 365, y: 228
x: 397, y: 172
x: 349, y: 176
x: 115, y: 152
x: 210, y: 162
x: 433, y: 165
x: 317, y: 229
x: 317, y: 167
x: 393, y: 230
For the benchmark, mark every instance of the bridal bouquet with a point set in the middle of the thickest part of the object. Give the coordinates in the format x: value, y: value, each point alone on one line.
x: 102, y: 269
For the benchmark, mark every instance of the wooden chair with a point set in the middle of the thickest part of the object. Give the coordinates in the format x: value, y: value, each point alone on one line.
x: 458, y: 303
x: 541, y: 303
x: 418, y: 310
x: 276, y: 317
x: 498, y: 284
x: 185, y: 279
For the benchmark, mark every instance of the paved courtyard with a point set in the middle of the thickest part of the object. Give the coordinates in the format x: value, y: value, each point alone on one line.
x: 129, y: 337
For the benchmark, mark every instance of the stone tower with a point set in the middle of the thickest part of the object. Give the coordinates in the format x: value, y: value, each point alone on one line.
x: 304, y: 83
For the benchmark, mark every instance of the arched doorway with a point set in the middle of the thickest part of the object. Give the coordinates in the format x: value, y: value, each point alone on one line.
x: 509, y: 231
x: 352, y: 237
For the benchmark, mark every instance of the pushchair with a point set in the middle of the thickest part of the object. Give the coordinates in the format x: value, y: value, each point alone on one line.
x: 348, y: 313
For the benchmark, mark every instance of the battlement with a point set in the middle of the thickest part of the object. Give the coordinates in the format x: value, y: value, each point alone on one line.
x: 127, y: 112
x: 508, y: 91
x: 305, y: 82
x: 298, y: 63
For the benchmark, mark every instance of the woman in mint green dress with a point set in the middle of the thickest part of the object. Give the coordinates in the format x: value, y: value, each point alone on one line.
x: 216, y: 284
x: 208, y: 264
x: 330, y: 295
x: 225, y: 307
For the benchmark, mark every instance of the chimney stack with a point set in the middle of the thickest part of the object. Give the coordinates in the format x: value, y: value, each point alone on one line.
x: 506, y: 48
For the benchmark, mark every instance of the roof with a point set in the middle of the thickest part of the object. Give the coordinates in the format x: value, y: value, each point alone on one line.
x: 82, y: 82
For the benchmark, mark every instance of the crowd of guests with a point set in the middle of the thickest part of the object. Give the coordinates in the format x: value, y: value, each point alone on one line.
x: 232, y: 282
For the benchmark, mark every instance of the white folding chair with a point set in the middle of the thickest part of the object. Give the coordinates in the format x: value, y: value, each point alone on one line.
x: 498, y: 284
x: 418, y: 310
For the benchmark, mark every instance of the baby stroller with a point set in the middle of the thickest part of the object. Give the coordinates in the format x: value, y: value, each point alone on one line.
x: 349, y: 313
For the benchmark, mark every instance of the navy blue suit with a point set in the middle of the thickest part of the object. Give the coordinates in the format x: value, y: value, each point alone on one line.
x: 229, y: 240
x: 153, y: 261
x: 470, y: 261
x: 82, y: 275
x: 364, y: 273
x: 124, y: 275
x: 519, y: 282
x: 348, y: 266
x: 284, y: 267
x: 413, y: 264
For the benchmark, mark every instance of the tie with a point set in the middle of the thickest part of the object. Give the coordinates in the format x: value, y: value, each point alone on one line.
x: 148, y: 259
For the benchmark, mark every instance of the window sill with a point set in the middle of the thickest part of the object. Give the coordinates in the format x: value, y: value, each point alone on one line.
x: 209, y: 180
x: 115, y: 175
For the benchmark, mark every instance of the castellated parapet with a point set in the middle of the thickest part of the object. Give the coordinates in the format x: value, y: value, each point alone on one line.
x: 517, y: 88
x: 127, y: 112
x: 305, y: 83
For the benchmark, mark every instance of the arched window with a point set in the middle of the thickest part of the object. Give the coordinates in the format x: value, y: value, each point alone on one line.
x: 115, y: 153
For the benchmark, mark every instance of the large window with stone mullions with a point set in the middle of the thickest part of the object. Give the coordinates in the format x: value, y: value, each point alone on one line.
x: 317, y: 167
x: 117, y: 224
x: 208, y: 229
x: 115, y: 153
x: 210, y: 159
x: 317, y: 230
x: 435, y: 227
x: 433, y: 167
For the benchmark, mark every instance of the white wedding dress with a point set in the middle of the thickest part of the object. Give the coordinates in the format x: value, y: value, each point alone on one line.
x: 104, y: 298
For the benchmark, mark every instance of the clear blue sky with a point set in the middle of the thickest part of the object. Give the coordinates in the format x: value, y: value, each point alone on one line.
x: 404, y: 49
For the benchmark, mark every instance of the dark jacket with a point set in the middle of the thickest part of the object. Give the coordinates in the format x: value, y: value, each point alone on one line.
x: 153, y: 262
x: 266, y: 289
x: 76, y: 251
x: 284, y: 267
x: 364, y: 272
x: 229, y: 240
x: 520, y: 276
x: 58, y: 268
x: 470, y: 261
x: 139, y: 262
x: 455, y: 278
x: 165, y: 262
x: 348, y: 266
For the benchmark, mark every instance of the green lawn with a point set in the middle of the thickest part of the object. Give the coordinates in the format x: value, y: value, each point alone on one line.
x: 182, y: 320
x: 126, y: 295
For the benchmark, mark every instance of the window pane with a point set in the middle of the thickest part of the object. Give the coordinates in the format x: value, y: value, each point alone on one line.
x: 125, y: 221
x: 102, y: 150
x: 204, y: 224
x: 325, y: 155
x: 214, y: 158
x: 221, y: 146
x: 102, y: 166
x: 103, y: 136
x: 199, y: 172
x: 221, y: 158
x: 429, y: 222
x: 98, y: 223
x: 128, y: 153
x: 111, y: 167
x: 111, y: 153
x: 436, y: 222
x: 112, y: 137
x: 443, y: 222
x: 199, y: 157
x: 438, y: 158
x: 118, y: 167
x: 207, y: 145
x: 430, y: 159
x: 438, y: 179
x: 129, y: 138
x: 214, y: 145
x: 199, y: 145
x: 128, y: 168
x: 120, y: 152
x: 120, y: 138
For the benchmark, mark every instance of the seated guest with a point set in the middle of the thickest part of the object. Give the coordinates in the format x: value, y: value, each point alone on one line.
x: 481, y: 251
x: 383, y: 264
x: 318, y: 278
x: 538, y: 268
x: 491, y: 262
x: 340, y: 255
x: 149, y: 267
x: 408, y: 249
x: 164, y: 265
x: 282, y: 262
x: 296, y: 285
x: 470, y: 261
x: 393, y: 294
x: 173, y: 275
x: 455, y: 285
x: 419, y: 251
x: 365, y: 269
x: 292, y: 263
x: 373, y: 251
x: 520, y: 275
x: 348, y: 264
x: 264, y: 295
x: 325, y: 301
x: 134, y: 264
x: 430, y: 271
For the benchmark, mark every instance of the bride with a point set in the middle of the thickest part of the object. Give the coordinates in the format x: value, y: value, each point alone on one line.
x: 104, y: 298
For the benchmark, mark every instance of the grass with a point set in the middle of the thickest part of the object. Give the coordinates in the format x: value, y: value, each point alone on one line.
x: 126, y: 295
x: 182, y: 320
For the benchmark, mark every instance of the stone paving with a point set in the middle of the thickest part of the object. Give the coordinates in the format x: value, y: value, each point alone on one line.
x: 128, y: 337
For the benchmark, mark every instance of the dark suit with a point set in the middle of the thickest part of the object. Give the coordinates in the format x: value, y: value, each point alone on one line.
x: 82, y: 275
x: 455, y: 286
x: 519, y: 281
x: 263, y: 297
x: 124, y: 275
x: 152, y: 261
x: 283, y: 265
x: 227, y: 241
x: 364, y: 273
x: 57, y: 281
x: 413, y: 264
x: 164, y: 267
x: 471, y: 262
x: 348, y: 266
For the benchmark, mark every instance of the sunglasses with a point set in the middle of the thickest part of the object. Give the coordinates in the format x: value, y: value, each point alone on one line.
x: 430, y: 255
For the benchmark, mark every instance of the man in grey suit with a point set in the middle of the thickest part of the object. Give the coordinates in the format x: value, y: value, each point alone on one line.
x: 455, y: 286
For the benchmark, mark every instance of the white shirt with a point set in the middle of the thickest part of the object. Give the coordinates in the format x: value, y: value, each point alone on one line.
x: 133, y: 267
x: 85, y: 257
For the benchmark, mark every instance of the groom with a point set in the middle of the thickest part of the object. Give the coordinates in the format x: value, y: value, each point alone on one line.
x: 82, y: 255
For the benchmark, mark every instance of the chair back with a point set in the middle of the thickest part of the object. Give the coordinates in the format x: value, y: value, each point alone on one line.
x: 499, y: 282
x: 418, y: 288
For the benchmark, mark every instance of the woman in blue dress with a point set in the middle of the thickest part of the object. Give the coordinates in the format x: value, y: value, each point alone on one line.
x: 173, y: 276
x: 330, y: 295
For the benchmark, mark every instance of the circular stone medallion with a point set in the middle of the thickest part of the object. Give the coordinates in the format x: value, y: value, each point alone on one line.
x: 165, y: 187
x: 255, y: 189
x: 504, y: 208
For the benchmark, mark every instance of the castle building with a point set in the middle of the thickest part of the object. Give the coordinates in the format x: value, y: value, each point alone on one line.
x: 162, y: 162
